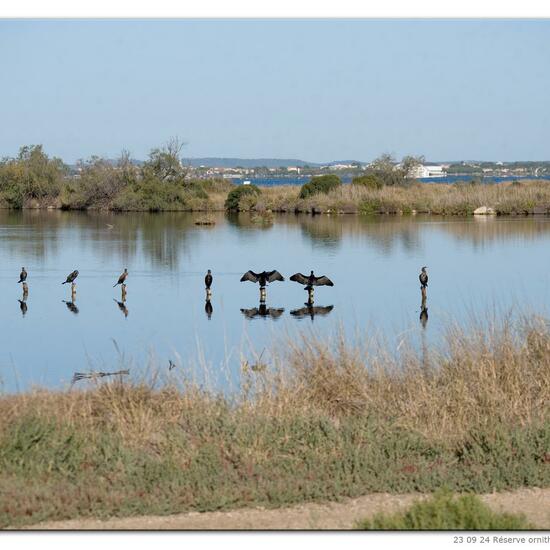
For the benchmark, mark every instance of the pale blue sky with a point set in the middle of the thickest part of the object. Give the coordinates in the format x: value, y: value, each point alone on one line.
x: 318, y: 90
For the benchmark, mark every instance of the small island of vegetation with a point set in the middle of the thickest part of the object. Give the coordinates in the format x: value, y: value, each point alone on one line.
x: 163, y: 183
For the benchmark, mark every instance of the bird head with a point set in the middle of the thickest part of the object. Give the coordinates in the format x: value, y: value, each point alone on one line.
x: 209, y: 272
x: 424, y: 268
x: 125, y: 270
x: 311, y: 272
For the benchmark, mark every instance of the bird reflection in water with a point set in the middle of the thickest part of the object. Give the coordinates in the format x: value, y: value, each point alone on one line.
x: 208, y: 309
x: 23, y: 305
x: 71, y: 306
x: 311, y: 311
x: 423, y: 304
x: 262, y: 311
x: 122, y: 307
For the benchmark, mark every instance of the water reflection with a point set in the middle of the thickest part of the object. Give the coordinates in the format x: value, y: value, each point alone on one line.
x: 263, y: 311
x: 23, y: 305
x: 71, y: 306
x: 121, y: 306
x: 164, y: 238
x: 208, y: 309
x: 311, y: 311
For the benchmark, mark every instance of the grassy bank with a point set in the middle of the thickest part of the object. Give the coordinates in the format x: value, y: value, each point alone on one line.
x: 162, y: 183
x: 509, y: 198
x: 321, y: 422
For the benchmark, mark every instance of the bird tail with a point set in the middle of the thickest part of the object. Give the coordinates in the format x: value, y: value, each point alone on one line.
x: 64, y: 282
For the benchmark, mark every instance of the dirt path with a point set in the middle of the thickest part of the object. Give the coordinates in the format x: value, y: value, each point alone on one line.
x: 534, y: 503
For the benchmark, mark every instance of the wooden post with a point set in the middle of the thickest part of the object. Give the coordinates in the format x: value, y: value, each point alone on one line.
x: 208, y: 294
x: 310, y: 295
x: 25, y: 289
x: 123, y: 289
x: 73, y: 291
x: 262, y: 294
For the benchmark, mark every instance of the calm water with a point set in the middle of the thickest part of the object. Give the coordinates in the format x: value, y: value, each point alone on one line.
x: 475, y: 266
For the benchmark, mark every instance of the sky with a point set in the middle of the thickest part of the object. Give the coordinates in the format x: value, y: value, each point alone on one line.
x: 317, y: 90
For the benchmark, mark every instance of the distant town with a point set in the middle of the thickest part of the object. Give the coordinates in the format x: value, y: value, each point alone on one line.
x: 425, y: 170
x: 237, y: 168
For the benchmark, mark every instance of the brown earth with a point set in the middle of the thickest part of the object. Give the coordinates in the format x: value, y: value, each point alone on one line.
x: 534, y: 503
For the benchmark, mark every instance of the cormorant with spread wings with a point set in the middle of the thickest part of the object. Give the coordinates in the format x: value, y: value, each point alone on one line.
x: 262, y: 278
x: 311, y: 281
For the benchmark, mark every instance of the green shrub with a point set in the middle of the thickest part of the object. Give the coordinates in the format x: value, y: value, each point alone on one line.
x: 445, y: 512
x: 233, y: 201
x: 320, y: 184
x: 370, y: 181
x: 370, y: 206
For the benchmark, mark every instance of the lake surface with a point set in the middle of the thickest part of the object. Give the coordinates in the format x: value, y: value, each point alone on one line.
x: 475, y: 266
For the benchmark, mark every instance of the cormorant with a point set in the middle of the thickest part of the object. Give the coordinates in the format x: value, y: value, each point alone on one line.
x: 22, y: 275
x: 122, y: 307
x: 208, y: 280
x: 310, y: 311
x: 122, y: 278
x: 263, y: 311
x: 71, y: 277
x: 423, y: 277
x: 263, y: 278
x: 311, y: 281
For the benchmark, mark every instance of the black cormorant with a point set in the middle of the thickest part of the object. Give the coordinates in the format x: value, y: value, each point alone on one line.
x: 208, y: 280
x: 71, y: 277
x: 122, y: 278
x: 262, y: 278
x: 310, y: 280
x: 423, y: 277
x: 22, y: 275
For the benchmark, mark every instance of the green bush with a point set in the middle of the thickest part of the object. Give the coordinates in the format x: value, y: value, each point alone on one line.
x: 31, y: 175
x: 370, y: 181
x: 445, y: 512
x: 233, y: 201
x: 320, y: 184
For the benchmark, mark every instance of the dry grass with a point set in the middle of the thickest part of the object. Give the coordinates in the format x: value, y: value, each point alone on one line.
x: 323, y: 420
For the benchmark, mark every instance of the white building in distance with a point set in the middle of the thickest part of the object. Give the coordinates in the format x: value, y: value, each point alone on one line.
x: 425, y: 171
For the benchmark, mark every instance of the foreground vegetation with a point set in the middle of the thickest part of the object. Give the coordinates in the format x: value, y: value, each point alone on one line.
x: 321, y: 422
x: 162, y: 183
x: 444, y: 512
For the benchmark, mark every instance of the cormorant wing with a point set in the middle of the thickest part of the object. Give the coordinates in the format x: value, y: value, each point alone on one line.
x: 322, y: 281
x: 274, y: 276
x: 250, y: 276
x: 299, y: 278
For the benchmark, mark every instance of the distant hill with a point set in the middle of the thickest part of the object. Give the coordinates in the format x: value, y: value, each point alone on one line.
x: 218, y: 162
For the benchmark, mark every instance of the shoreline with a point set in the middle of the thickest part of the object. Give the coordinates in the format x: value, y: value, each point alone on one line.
x: 525, y: 198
